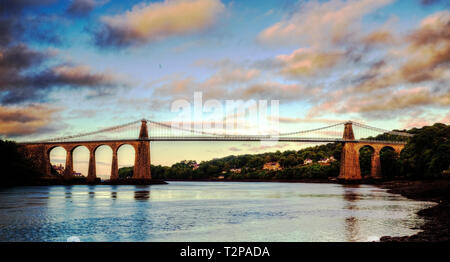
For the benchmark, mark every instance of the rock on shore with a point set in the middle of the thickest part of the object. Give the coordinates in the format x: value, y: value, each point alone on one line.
x: 437, y: 218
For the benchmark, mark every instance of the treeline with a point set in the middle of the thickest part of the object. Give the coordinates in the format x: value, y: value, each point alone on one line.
x: 15, y: 168
x: 426, y: 155
x: 186, y: 172
x: 250, y: 166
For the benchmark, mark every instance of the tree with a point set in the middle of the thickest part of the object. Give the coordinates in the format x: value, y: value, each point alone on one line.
x: 427, y: 153
x: 365, y: 160
x: 390, y: 165
x: 126, y: 172
x: 16, y: 168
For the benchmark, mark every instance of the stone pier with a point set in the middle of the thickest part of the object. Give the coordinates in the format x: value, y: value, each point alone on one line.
x: 350, y: 168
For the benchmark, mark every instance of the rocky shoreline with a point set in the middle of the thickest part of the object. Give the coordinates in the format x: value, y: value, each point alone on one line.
x: 437, y: 218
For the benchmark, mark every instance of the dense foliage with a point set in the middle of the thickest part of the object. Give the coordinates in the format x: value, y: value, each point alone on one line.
x: 427, y: 154
x: 250, y: 166
x: 125, y: 172
x: 16, y: 170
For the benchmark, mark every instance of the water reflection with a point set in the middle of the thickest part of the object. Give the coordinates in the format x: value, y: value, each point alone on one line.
x: 114, y: 192
x: 351, y: 198
x: 141, y: 193
x: 68, y: 192
x: 91, y: 192
x: 205, y: 211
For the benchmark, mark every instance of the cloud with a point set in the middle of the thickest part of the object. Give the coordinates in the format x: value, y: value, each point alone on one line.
x: 372, y: 104
x: 147, y: 23
x: 78, y: 75
x: 14, y: 25
x: 16, y: 6
x: 271, y: 90
x: 19, y: 57
x: 320, y: 24
x: 29, y: 75
x: 378, y: 37
x: 230, y: 83
x: 429, y: 2
x: 330, y: 37
x: 421, y: 119
x: 307, y: 61
x: 426, y: 57
x: 224, y: 77
x: 83, y: 7
x: 31, y: 119
x: 291, y: 120
x: 234, y: 149
x: 21, y: 82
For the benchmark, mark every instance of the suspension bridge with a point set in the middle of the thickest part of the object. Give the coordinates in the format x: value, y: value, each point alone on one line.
x: 140, y: 133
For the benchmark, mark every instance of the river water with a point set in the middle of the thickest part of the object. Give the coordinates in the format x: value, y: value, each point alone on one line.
x: 206, y: 211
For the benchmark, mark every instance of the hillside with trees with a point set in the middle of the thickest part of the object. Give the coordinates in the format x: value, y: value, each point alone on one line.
x: 292, y: 166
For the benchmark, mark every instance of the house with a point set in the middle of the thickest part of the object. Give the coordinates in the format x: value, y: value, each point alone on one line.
x: 307, y: 161
x: 58, y: 168
x: 235, y: 170
x: 327, y: 161
x: 272, y: 166
x: 195, y: 166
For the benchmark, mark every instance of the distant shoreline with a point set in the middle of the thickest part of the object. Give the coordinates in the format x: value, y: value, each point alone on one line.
x: 58, y: 181
x: 312, y: 180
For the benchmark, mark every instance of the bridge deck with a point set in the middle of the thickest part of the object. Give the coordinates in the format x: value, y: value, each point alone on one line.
x: 229, y: 139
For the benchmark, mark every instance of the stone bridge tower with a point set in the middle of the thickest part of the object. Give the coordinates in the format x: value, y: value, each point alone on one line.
x: 142, y: 160
x: 350, y: 169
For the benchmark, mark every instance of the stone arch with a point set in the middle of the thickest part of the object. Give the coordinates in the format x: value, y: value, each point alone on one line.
x: 366, y: 154
x: 72, y: 148
x: 388, y: 161
x: 50, y: 148
x: 103, y: 159
x: 126, y: 155
x: 94, y: 149
x: 133, y: 145
x: 82, y: 167
x: 61, y: 166
x: 384, y: 147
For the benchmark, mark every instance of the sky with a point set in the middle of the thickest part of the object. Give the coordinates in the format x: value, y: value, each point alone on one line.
x: 68, y: 67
